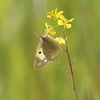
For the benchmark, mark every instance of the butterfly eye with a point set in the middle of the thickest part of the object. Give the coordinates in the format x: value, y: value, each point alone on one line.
x: 39, y: 52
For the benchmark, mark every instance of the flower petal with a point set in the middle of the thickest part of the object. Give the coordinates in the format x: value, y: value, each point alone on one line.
x: 46, y: 25
x: 52, y: 33
x: 60, y: 40
x: 60, y: 22
x: 71, y: 20
x: 68, y: 25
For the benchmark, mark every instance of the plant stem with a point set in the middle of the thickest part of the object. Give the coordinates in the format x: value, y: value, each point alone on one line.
x: 72, y: 75
x: 70, y: 64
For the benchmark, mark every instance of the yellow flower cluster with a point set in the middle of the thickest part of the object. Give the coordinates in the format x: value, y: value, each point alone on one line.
x: 61, y: 21
x: 55, y: 14
x: 60, y: 40
x: 64, y: 21
x: 49, y: 29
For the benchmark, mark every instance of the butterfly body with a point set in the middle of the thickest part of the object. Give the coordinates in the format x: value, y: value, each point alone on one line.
x: 48, y: 50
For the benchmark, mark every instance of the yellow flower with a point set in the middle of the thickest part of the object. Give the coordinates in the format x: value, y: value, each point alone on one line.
x: 64, y: 21
x: 71, y: 20
x: 60, y: 40
x: 54, y: 14
x: 49, y: 29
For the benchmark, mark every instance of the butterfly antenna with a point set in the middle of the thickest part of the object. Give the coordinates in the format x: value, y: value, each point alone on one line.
x: 36, y: 34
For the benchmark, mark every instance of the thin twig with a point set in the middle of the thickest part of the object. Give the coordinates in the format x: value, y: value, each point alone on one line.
x: 73, y: 80
x: 66, y: 72
x: 70, y: 64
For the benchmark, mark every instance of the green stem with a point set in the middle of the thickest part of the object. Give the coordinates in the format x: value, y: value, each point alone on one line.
x: 70, y: 64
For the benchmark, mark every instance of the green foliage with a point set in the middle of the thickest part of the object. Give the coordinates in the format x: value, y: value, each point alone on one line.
x: 18, y: 79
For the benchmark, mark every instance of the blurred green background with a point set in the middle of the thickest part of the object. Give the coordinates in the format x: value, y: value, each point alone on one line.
x: 18, y: 79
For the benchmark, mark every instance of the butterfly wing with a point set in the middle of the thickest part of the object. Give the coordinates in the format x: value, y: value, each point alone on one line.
x: 40, y: 59
x: 51, y: 48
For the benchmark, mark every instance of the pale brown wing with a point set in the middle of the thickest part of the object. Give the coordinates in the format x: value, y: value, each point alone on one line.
x: 40, y: 59
x: 51, y: 48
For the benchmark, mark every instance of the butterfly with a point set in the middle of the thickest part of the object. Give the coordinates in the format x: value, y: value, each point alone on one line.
x: 48, y: 50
